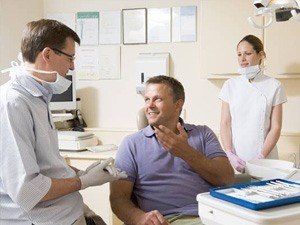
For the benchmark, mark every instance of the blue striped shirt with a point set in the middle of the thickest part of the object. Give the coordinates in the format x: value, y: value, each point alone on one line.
x: 29, y: 158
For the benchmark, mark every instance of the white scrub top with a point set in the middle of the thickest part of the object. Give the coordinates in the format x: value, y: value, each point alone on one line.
x: 29, y: 157
x: 250, y: 107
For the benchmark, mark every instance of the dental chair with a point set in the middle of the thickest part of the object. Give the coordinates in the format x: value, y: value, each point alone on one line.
x: 141, y: 119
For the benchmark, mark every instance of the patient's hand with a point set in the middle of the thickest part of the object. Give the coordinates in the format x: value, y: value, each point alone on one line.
x: 176, y: 144
x: 153, y: 218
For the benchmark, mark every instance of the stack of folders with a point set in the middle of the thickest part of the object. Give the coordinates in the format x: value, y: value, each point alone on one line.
x: 75, y: 140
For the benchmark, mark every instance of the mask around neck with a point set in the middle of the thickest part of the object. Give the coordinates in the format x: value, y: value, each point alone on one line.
x: 249, y: 72
x: 57, y: 87
x: 60, y: 85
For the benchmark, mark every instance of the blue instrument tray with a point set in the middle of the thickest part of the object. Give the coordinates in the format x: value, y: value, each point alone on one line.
x: 228, y: 193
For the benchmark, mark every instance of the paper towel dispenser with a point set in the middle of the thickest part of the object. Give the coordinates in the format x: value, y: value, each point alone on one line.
x: 149, y: 65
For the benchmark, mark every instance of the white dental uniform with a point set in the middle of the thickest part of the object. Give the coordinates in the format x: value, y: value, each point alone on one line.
x: 250, y: 107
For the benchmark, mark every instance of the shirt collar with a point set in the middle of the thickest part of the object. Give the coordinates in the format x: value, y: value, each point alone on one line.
x: 32, y: 86
x: 149, y: 131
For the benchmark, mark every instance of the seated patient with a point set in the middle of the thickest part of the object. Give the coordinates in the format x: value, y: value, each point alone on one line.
x: 168, y: 163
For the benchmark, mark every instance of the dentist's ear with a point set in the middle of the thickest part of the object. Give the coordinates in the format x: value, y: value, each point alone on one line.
x: 46, y: 54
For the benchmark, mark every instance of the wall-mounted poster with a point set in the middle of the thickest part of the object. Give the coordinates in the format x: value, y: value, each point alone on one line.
x: 159, y: 25
x: 184, y: 23
x: 110, y: 27
x: 134, y: 26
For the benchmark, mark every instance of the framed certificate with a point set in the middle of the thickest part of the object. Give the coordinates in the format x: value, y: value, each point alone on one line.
x: 134, y: 26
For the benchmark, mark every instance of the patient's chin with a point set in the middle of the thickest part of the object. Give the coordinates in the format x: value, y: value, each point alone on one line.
x: 153, y: 124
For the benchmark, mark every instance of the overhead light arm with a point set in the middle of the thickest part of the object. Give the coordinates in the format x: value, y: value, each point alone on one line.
x: 269, y: 19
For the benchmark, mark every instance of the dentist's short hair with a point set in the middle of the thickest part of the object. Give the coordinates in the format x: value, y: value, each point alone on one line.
x: 175, y: 86
x: 43, y: 33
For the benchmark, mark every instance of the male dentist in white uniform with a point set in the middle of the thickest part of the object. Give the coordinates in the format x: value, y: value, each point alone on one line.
x: 36, y: 185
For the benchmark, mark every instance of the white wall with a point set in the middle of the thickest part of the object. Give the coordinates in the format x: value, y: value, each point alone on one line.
x: 113, y: 104
x: 110, y: 105
x: 14, y: 14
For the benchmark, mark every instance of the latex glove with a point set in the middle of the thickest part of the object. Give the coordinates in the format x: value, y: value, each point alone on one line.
x: 260, y: 156
x: 83, y: 172
x: 236, y: 162
x: 98, y: 175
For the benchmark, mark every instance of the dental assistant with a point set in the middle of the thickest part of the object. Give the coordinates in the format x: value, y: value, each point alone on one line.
x: 251, y: 115
x: 36, y: 185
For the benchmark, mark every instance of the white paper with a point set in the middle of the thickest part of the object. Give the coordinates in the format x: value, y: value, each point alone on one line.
x: 88, y: 27
x: 87, y: 63
x: 134, y: 21
x: 159, y: 25
x: 65, y: 18
x: 109, y: 62
x: 184, y: 23
x: 110, y: 27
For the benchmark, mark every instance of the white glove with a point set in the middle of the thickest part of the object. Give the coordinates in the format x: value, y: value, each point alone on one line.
x: 98, y: 174
x: 83, y: 172
x: 236, y: 162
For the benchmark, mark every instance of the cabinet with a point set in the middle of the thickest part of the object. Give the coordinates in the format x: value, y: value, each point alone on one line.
x: 222, y: 25
x: 97, y: 198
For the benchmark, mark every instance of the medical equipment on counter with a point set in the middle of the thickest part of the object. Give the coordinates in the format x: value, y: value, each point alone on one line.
x: 102, y: 148
x: 282, y: 9
x: 75, y: 140
x: 265, y: 169
x: 214, y: 211
x: 260, y: 195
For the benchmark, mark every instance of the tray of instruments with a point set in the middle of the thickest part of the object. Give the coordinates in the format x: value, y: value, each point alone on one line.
x: 260, y: 195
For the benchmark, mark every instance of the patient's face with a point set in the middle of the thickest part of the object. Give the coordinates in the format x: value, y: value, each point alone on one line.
x: 160, y: 109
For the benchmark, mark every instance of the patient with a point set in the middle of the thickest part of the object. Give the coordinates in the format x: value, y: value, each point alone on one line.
x: 168, y: 163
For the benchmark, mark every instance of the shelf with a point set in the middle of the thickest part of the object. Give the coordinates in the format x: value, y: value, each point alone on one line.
x: 220, y: 77
x: 288, y: 76
x: 225, y: 77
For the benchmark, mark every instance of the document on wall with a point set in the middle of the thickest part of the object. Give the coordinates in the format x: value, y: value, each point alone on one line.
x: 135, y: 28
x: 88, y: 27
x: 87, y: 63
x: 109, y: 62
x: 159, y: 25
x: 110, y: 27
x: 65, y: 18
x: 184, y: 23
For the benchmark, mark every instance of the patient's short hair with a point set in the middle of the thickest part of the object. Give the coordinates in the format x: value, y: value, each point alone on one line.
x: 175, y: 86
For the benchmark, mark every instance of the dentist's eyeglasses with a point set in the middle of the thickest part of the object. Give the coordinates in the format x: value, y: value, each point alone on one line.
x: 57, y: 51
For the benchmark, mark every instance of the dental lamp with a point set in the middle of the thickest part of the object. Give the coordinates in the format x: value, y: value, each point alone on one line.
x: 282, y: 10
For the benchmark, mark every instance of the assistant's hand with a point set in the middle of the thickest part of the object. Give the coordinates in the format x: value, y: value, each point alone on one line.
x: 260, y: 156
x: 173, y: 143
x: 97, y: 174
x: 153, y: 218
x: 236, y: 162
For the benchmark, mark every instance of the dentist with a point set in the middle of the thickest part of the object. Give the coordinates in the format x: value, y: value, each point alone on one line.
x: 36, y: 185
x: 251, y: 115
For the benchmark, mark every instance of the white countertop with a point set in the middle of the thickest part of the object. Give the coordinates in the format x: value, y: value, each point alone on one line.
x: 88, y: 154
